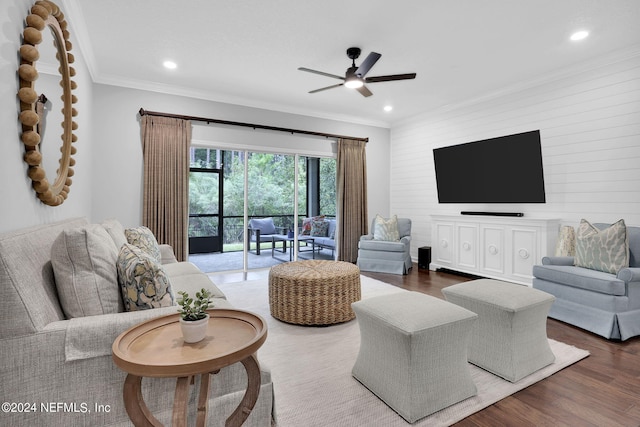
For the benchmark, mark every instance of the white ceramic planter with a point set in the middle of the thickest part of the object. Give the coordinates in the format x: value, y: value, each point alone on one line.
x: 195, y: 330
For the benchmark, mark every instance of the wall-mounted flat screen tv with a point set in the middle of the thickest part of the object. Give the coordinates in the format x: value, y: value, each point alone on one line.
x: 507, y: 169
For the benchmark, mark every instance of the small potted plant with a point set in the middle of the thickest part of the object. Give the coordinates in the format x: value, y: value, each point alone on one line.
x: 194, y: 318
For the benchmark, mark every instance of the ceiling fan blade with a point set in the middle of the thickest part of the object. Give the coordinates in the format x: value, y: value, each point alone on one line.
x: 325, y: 88
x: 367, y: 64
x: 309, y: 70
x: 390, y: 78
x: 364, y: 91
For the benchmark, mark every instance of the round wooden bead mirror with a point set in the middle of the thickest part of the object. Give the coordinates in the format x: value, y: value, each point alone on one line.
x: 44, y: 27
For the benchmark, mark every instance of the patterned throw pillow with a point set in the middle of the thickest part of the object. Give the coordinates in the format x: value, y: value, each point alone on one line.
x: 566, y: 245
x: 319, y: 228
x: 386, y: 229
x: 307, y: 224
x: 144, y: 239
x: 143, y: 282
x: 603, y: 250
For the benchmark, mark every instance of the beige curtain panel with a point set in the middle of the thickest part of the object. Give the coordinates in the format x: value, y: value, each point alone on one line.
x: 165, y: 211
x: 352, y: 197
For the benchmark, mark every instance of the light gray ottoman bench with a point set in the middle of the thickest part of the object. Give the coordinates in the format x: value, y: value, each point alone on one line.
x: 511, y: 339
x: 413, y: 352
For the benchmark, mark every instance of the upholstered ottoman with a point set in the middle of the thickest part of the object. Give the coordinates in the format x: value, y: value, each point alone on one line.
x: 511, y: 339
x: 413, y: 352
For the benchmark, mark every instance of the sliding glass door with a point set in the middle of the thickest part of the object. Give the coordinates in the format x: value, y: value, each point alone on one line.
x: 234, y: 193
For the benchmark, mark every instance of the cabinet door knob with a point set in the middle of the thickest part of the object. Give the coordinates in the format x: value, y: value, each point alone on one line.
x: 444, y: 243
x: 466, y: 246
x: 524, y: 254
x: 493, y: 250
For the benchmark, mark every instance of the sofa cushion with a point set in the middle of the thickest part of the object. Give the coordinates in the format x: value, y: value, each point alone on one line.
x: 116, y: 231
x: 332, y: 229
x: 265, y: 225
x: 144, y: 239
x: 583, y: 278
x: 84, y: 266
x: 185, y: 276
x: 386, y: 229
x: 325, y: 241
x: 603, y: 250
x: 381, y: 245
x: 143, y: 281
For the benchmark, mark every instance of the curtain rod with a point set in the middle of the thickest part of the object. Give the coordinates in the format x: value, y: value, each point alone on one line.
x: 144, y: 112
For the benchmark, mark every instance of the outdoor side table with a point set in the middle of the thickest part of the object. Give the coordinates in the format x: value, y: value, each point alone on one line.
x: 156, y: 349
x: 284, y: 239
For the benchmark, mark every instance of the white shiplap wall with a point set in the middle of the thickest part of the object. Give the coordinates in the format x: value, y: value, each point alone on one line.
x: 589, y: 125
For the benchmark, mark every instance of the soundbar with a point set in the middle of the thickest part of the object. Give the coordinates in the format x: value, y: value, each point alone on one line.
x: 492, y: 213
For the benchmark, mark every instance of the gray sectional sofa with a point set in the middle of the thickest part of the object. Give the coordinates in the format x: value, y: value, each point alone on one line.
x: 65, y: 364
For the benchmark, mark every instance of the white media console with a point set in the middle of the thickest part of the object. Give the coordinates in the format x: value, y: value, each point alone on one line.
x: 498, y: 247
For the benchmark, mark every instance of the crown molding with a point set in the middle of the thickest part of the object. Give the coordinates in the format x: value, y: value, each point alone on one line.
x: 80, y: 34
x: 231, y: 99
x: 77, y: 23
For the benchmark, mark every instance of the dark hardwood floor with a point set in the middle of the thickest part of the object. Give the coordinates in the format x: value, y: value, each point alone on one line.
x: 601, y: 390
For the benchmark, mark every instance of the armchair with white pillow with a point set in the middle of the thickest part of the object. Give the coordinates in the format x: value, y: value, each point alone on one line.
x: 598, y: 289
x: 387, y: 247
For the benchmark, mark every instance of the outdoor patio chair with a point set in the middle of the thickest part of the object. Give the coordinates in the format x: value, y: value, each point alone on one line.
x: 262, y: 230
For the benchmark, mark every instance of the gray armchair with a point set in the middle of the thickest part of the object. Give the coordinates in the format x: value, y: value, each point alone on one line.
x: 262, y: 230
x: 384, y: 256
x: 603, y: 303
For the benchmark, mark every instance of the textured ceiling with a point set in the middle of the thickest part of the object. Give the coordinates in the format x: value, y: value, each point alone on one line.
x: 248, y: 51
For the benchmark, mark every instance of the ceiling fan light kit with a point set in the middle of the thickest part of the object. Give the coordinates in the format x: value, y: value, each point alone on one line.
x: 353, y: 83
x: 354, y: 77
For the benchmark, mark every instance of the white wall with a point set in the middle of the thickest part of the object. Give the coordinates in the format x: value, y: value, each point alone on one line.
x: 590, y: 134
x: 19, y: 206
x: 117, y: 165
x: 108, y: 172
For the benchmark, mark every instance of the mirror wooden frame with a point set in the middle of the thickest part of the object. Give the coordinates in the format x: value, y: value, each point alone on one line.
x: 47, y: 15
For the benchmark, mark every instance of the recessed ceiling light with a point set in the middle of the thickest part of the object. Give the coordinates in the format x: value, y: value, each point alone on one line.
x: 388, y: 108
x: 170, y: 65
x: 579, y: 35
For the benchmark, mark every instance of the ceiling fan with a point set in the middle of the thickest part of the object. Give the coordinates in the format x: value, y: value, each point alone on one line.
x: 355, y: 76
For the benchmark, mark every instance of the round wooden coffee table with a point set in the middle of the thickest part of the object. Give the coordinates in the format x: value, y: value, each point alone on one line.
x: 156, y: 349
x: 314, y: 292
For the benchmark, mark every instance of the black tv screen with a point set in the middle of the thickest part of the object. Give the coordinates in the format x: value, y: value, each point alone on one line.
x: 507, y: 169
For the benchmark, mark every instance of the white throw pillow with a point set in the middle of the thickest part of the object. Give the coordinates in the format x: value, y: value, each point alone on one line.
x: 386, y: 229
x: 84, y: 266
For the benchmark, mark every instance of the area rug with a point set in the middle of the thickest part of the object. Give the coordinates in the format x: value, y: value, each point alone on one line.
x: 311, y: 369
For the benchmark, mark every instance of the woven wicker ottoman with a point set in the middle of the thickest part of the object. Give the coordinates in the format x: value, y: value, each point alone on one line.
x: 511, y: 340
x: 413, y: 352
x: 313, y: 292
